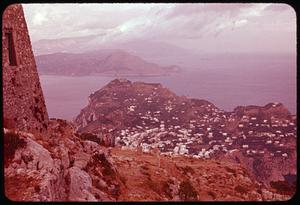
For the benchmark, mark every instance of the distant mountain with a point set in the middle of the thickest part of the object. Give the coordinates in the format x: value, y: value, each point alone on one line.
x: 162, y: 53
x: 105, y: 61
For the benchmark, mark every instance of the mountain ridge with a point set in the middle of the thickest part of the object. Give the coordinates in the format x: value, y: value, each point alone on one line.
x: 103, y: 62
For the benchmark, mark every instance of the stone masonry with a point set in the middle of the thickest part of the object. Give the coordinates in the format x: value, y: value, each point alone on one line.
x: 23, y: 101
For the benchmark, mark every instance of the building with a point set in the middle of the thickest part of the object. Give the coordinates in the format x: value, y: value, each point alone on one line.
x: 23, y: 101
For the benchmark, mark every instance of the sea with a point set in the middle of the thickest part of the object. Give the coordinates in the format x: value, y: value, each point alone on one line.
x: 227, y: 82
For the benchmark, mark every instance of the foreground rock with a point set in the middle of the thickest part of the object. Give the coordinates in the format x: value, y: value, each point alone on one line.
x: 56, y: 169
x: 66, y: 167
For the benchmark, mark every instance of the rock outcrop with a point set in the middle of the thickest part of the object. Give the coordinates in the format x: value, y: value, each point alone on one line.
x: 56, y: 169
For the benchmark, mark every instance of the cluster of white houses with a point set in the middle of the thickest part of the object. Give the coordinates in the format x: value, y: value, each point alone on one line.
x: 208, y: 134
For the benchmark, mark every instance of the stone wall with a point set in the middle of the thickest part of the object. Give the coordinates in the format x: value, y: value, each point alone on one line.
x: 23, y: 101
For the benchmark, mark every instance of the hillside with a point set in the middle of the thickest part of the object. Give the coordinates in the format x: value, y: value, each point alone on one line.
x: 105, y: 62
x: 147, y: 115
x: 69, y: 167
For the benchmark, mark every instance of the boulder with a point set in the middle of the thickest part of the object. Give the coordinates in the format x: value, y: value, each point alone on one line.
x: 80, y: 185
x: 81, y: 159
x: 90, y: 146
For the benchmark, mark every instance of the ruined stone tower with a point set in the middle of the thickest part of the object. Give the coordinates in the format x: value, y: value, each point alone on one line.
x: 23, y: 101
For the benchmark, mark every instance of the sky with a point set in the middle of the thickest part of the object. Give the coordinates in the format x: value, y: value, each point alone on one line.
x: 220, y: 27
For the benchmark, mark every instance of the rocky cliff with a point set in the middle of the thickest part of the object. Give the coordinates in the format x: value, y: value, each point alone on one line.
x: 67, y: 167
x: 61, y: 168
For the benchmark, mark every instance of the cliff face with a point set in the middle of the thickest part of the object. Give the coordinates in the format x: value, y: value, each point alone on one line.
x: 145, y: 116
x: 23, y: 102
x: 66, y: 167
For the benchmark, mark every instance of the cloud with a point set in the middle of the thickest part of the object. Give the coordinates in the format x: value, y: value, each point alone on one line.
x: 39, y: 18
x: 185, y: 25
x: 241, y: 22
x: 279, y: 7
x: 255, y: 10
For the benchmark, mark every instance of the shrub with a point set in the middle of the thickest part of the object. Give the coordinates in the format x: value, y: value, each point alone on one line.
x: 12, y: 142
x: 107, y: 169
x: 37, y: 188
x: 231, y: 171
x: 283, y: 187
x: 116, y: 192
x: 187, y: 169
x: 187, y: 192
x: 145, y: 172
x: 166, y: 188
x: 154, y: 186
x: 144, y: 167
x: 240, y: 189
x: 212, y: 194
x: 89, y: 136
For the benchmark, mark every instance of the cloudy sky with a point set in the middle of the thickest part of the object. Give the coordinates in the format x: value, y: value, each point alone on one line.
x: 246, y: 28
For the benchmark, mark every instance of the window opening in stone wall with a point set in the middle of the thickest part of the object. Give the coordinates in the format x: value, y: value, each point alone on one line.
x: 11, y: 49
